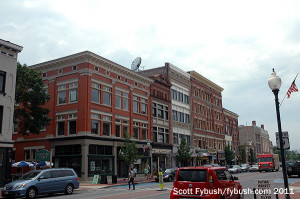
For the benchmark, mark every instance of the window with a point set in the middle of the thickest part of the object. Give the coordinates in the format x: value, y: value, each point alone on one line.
x: 136, y: 130
x: 2, y: 81
x: 186, y: 99
x: 60, y: 128
x: 72, y: 127
x: 96, y: 68
x: 125, y: 101
x: 27, y: 154
x: 74, y: 68
x: 125, y: 130
x: 135, y: 104
x: 106, y: 125
x: 144, y: 107
x: 118, y: 99
x: 118, y: 128
x: 144, y: 131
x: 60, y: 71
x: 1, y: 118
x: 73, y: 92
x: 95, y: 92
x: 174, y: 115
x: 155, y: 134
x: 160, y: 137
x: 187, y: 118
x: 95, y: 127
x: 61, y: 94
x: 106, y: 95
x: 175, y: 138
x: 44, y: 74
x: 180, y: 97
x: 119, y: 77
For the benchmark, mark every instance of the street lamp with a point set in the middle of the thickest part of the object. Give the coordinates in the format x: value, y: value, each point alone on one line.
x: 275, y: 84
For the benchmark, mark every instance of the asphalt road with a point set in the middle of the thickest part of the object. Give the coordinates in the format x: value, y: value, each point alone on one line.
x: 152, y: 190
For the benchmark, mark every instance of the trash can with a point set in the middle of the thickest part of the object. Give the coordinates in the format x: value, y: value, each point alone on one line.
x: 114, y: 179
x: 103, y: 179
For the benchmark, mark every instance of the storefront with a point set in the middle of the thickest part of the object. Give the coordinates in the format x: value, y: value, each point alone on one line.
x: 221, y: 158
x: 5, y: 167
x: 213, y: 153
x: 161, y: 159
x: 205, y: 156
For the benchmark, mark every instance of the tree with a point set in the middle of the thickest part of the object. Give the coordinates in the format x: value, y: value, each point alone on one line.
x: 31, y: 97
x: 229, y: 154
x: 276, y: 151
x: 242, y: 154
x: 252, y: 156
x: 129, y: 151
x: 184, y: 152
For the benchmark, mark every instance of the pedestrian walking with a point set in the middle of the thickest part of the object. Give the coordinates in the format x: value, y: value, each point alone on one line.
x: 131, y: 179
x: 146, y: 173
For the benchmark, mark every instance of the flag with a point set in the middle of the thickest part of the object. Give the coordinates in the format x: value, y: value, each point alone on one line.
x: 293, y: 88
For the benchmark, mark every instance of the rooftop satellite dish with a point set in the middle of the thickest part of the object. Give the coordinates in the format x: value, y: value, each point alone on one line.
x: 136, y: 64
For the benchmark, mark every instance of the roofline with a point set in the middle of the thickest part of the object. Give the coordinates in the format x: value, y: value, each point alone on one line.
x: 207, y: 81
x: 230, y: 112
x: 13, y: 46
x: 89, y: 57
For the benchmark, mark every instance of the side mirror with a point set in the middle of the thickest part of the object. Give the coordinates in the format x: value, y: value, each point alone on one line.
x: 235, y: 178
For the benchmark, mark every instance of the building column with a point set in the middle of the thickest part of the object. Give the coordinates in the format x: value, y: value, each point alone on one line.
x: 84, y: 161
x: 115, y: 153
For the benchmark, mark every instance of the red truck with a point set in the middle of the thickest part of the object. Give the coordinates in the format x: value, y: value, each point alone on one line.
x: 268, y: 162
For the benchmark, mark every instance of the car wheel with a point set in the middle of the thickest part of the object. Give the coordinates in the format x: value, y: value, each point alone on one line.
x: 31, y: 193
x: 69, y: 189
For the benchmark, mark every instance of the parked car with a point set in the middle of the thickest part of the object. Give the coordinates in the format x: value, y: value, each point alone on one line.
x: 168, y: 175
x: 245, y: 167
x: 235, y: 169
x: 190, y: 181
x: 293, y: 168
x: 254, y: 168
x: 45, y: 181
x: 211, y: 165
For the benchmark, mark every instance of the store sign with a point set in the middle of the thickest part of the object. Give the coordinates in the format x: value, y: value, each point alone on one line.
x: 163, y: 151
x: 43, y: 155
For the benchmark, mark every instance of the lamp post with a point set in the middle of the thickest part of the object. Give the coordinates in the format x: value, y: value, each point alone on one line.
x: 275, y: 84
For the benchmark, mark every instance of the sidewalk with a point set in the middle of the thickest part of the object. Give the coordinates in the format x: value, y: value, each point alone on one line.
x: 296, y: 190
x: 89, y: 185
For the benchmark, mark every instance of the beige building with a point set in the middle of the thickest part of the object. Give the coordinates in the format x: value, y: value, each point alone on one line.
x: 255, y: 137
x: 8, y: 68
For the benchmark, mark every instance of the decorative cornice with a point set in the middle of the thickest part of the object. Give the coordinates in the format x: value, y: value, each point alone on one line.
x: 92, y: 58
x: 230, y: 113
x: 201, y: 78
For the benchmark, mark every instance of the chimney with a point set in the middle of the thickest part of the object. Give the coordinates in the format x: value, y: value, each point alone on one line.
x: 262, y: 126
x: 253, y: 123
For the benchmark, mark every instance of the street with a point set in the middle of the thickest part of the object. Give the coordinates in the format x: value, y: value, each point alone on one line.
x: 152, y: 190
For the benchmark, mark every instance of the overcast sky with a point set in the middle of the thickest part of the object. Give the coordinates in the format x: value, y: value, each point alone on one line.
x: 232, y: 43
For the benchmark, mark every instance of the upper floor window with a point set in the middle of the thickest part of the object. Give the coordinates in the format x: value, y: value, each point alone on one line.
x: 61, y: 97
x: 118, y: 99
x: 95, y: 92
x: 73, y: 92
x: 136, y: 104
x: 2, y: 81
x: 106, y: 95
x: 125, y: 101
x: 1, y: 118
x: 143, y: 106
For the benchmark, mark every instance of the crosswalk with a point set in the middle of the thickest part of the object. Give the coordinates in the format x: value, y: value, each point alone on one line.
x: 117, y: 189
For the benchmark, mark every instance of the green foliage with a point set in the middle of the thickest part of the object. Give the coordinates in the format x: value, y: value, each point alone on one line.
x: 129, y: 151
x: 30, y: 94
x: 242, y: 154
x: 276, y: 151
x: 252, y: 156
x: 229, y: 154
x: 184, y: 152
x: 291, y: 155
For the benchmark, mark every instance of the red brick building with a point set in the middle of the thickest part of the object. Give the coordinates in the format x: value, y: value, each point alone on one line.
x: 207, y: 114
x: 94, y: 102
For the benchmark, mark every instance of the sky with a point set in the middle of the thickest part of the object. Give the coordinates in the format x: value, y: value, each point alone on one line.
x: 235, y: 44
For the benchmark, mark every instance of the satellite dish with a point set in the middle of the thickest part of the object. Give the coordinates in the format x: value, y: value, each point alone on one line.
x: 136, y: 64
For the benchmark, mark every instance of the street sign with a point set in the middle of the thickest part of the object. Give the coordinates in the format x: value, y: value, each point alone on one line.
x: 161, y: 180
x: 43, y: 155
x: 285, y: 139
x: 264, y: 186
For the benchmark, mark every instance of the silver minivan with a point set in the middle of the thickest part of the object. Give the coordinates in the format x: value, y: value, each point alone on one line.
x: 45, y: 181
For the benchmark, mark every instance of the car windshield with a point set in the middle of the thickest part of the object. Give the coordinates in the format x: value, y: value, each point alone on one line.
x: 236, y: 166
x: 255, y: 165
x: 30, y: 175
x: 167, y: 171
x: 192, y: 175
x: 290, y: 163
x: 244, y: 165
x: 268, y: 159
